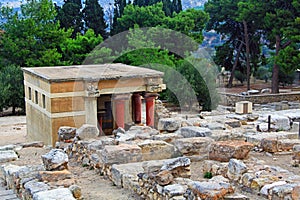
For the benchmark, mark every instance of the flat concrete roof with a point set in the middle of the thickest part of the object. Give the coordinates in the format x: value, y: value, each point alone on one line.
x: 92, y: 72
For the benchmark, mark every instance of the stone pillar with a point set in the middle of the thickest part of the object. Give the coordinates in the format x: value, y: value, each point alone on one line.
x: 150, y: 105
x: 119, y: 103
x: 91, y: 110
x: 137, y: 103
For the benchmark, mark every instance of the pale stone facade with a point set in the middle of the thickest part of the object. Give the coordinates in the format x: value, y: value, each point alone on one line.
x: 108, y: 96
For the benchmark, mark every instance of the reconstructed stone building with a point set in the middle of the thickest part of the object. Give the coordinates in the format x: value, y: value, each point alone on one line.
x: 108, y: 96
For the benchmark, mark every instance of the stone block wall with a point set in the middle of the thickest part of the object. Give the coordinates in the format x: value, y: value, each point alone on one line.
x: 231, y: 99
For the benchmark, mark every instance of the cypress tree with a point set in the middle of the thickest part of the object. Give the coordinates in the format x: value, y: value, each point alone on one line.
x: 119, y: 6
x: 93, y: 17
x: 70, y: 16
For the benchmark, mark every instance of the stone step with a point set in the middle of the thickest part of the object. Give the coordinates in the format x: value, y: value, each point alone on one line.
x: 7, y: 194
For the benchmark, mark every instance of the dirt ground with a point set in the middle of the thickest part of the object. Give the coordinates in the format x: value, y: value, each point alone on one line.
x: 94, y: 186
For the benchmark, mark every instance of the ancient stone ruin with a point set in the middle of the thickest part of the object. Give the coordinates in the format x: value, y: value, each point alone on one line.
x: 189, y: 156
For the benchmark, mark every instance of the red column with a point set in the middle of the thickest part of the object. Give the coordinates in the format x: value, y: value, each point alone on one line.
x: 150, y: 105
x: 137, y: 103
x: 120, y: 112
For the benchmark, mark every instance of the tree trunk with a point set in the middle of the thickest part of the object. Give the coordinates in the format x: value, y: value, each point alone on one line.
x: 275, y: 72
x: 14, y: 110
x: 247, y: 53
x: 235, y: 65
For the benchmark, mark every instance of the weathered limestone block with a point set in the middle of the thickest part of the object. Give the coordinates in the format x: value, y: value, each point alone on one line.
x: 175, y: 163
x: 154, y: 166
x: 281, y: 122
x: 33, y: 187
x: 282, y: 191
x: 7, y: 172
x: 100, y: 143
x: 288, y: 144
x: 296, y: 151
x: 193, y: 146
x: 76, y: 191
x: 140, y: 130
x: 246, y: 179
x: 25, y: 174
x: 194, y: 121
x: 164, y: 178
x: 55, y: 194
x: 157, y: 150
x: 236, y: 168
x: 66, y: 133
x: 168, y: 124
x: 278, y: 122
x: 136, y: 132
x: 219, y: 179
x: 180, y: 167
x: 294, y: 127
x: 167, y: 137
x: 128, y: 136
x: 123, y: 153
x: 270, y: 145
x: 56, y: 159
x: 264, y: 127
x: 225, y: 150
x: 7, y: 156
x: 213, y: 126
x: 182, y: 181
x: 211, y: 190
x: 233, y: 123
x: 174, y: 190
x: 252, y: 117
x: 258, y: 183
x: 236, y: 196
x: 215, y: 167
x: 296, y: 192
x: 265, y: 189
x: 194, y: 131
x: 130, y: 181
x: 118, y: 131
x: 87, y: 131
x: 8, y: 147
x: 120, y: 170
x: 53, y: 176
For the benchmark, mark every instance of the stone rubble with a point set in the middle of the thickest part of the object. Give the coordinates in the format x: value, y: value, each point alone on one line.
x: 156, y: 164
x: 56, y: 159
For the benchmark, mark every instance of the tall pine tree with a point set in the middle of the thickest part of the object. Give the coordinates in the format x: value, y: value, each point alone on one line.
x: 93, y: 17
x: 169, y: 7
x: 176, y: 6
x: 119, y: 6
x: 70, y: 16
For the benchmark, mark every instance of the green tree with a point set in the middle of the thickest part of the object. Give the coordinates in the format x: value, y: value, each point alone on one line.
x: 282, y: 31
x: 93, y: 16
x: 11, y: 88
x: 146, y: 16
x: 176, y: 6
x: 236, y: 20
x: 190, y: 22
x: 76, y: 50
x: 169, y: 7
x: 31, y: 38
x: 189, y: 80
x: 70, y: 16
x: 119, y: 6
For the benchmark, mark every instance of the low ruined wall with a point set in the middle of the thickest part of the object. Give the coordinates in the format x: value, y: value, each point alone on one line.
x: 231, y: 99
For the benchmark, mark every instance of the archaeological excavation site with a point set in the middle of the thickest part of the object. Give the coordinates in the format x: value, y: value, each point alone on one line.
x: 105, y: 134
